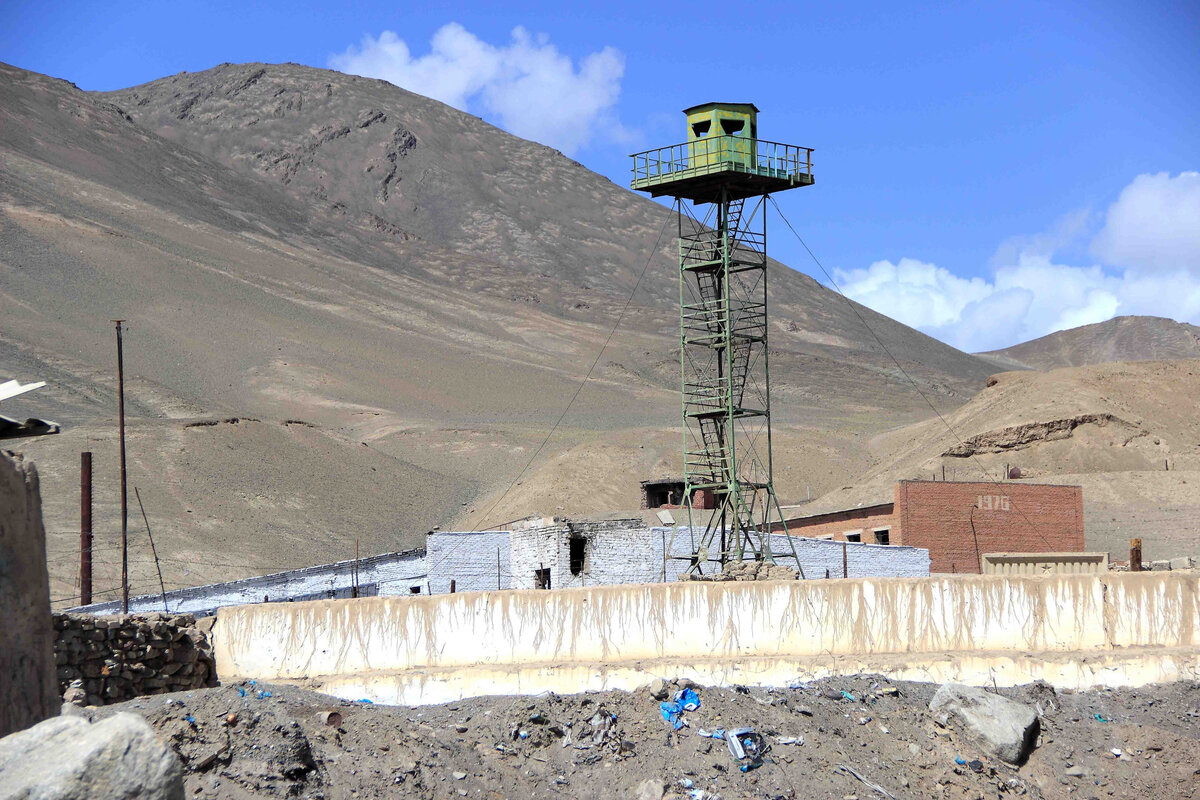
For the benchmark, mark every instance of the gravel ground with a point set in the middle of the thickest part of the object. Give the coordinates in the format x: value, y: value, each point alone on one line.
x: 238, y: 741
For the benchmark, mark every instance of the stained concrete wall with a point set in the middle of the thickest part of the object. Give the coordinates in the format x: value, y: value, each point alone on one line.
x: 28, y: 691
x: 1074, y: 631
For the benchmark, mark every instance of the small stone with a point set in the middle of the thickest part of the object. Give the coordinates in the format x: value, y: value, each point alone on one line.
x: 458, y: 776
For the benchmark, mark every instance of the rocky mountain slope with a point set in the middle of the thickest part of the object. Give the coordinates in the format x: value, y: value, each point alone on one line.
x: 393, y: 299
x: 1118, y: 339
x: 1129, y: 433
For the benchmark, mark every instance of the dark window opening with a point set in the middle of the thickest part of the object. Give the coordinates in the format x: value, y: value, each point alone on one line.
x: 659, y: 495
x: 700, y: 129
x: 414, y: 590
x: 541, y: 578
x: 733, y: 127
x: 578, y: 547
x: 883, y: 536
x: 854, y: 537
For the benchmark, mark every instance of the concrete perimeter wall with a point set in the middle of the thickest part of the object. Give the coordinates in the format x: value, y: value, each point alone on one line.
x: 1073, y: 631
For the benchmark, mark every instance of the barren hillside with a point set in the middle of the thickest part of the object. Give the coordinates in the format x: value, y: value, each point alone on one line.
x: 1118, y: 339
x: 1129, y: 433
x: 429, y: 326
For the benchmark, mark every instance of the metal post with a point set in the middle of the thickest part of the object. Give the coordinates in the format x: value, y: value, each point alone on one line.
x: 1135, y: 555
x: 124, y: 490
x: 452, y: 586
x: 85, y: 528
x: 354, y: 577
x: 845, y: 560
x: 498, y: 569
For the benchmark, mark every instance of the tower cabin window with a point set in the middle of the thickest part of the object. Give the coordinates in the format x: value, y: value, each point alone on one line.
x: 700, y: 129
x: 733, y: 127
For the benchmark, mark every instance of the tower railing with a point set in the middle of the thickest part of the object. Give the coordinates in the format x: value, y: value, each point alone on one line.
x: 722, y: 154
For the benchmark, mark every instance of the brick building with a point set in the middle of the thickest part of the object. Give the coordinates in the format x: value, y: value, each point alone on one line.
x: 960, y: 521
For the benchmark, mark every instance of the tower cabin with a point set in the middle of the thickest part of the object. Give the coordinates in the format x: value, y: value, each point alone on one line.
x: 722, y: 154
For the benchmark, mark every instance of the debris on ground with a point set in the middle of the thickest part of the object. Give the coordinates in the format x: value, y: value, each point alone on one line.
x: 300, y: 744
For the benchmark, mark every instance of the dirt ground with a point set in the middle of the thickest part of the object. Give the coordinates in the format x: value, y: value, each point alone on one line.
x: 265, y: 741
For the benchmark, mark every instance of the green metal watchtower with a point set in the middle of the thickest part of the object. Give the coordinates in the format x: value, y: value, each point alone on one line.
x: 725, y: 168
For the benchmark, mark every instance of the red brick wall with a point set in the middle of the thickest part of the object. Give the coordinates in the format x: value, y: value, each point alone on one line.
x: 838, y: 523
x: 1007, y: 517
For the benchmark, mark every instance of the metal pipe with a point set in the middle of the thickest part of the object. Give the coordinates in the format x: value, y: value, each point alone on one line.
x: 124, y: 489
x: 85, y: 528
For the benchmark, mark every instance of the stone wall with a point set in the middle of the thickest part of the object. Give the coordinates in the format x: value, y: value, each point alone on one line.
x: 27, y: 655
x: 469, y: 558
x: 119, y: 657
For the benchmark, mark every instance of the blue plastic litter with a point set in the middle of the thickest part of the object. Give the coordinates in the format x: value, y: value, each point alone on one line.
x: 191, y: 720
x: 672, y: 710
x: 263, y: 694
x: 962, y: 762
x: 1101, y: 719
x: 253, y: 682
x: 847, y: 696
x: 366, y: 700
x: 241, y: 692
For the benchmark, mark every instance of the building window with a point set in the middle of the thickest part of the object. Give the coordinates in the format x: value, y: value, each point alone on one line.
x: 541, y: 578
x: 733, y: 127
x: 883, y: 535
x: 853, y: 536
x: 414, y: 590
x: 663, y: 493
x: 578, y: 546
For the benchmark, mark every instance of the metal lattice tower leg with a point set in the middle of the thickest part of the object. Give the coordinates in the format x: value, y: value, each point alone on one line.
x: 726, y: 388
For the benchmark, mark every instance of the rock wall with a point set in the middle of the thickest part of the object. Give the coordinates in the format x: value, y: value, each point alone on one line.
x: 119, y: 657
x: 1074, y: 631
x: 27, y: 685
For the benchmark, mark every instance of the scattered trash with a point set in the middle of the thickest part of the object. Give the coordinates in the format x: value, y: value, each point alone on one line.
x: 602, y: 723
x: 789, y: 740
x: 883, y: 729
x: 890, y: 691
x: 975, y: 765
x: 962, y: 762
x: 263, y: 694
x: 1099, y: 718
x: 874, y: 786
x: 190, y: 719
x: 331, y: 718
x: 1116, y: 751
x: 804, y: 711
x: 241, y: 691
x: 847, y: 696
x: 366, y: 700
x: 672, y: 710
x: 687, y: 783
x: 747, y: 747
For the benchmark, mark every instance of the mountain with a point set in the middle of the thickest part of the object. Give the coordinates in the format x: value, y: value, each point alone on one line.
x: 353, y: 313
x: 1118, y: 339
x: 1129, y: 433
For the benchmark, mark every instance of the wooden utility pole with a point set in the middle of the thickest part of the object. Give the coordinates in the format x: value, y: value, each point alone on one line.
x: 124, y: 490
x: 1135, y: 555
x: 85, y: 528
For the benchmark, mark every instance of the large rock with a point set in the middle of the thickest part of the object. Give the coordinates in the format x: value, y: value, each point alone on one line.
x: 1004, y: 728
x: 28, y: 685
x: 69, y: 758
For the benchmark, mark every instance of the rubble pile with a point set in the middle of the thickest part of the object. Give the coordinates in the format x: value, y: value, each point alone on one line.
x: 750, y: 571
x: 113, y: 658
x: 851, y: 736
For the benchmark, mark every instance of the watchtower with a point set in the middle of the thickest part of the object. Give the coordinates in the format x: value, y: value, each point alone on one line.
x: 724, y: 168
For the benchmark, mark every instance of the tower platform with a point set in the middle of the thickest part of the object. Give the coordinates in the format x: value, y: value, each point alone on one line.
x: 700, y: 170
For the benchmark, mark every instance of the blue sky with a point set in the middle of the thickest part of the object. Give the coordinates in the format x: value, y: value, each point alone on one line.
x: 986, y: 172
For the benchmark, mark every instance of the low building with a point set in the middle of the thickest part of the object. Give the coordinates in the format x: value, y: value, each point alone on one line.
x: 959, y: 521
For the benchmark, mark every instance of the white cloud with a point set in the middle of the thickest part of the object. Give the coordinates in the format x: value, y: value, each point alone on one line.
x: 1150, y: 246
x: 527, y: 86
x: 1154, y: 225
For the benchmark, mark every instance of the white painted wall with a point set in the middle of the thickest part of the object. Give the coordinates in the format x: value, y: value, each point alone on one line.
x: 1075, y: 630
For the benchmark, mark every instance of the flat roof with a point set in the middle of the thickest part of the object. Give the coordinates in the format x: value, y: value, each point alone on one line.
x: 875, y: 507
x: 690, y: 109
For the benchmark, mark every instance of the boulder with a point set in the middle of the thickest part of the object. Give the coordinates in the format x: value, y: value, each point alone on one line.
x: 1004, y: 728
x: 69, y: 758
